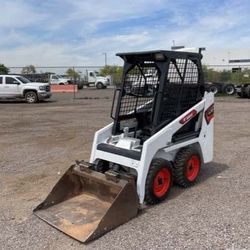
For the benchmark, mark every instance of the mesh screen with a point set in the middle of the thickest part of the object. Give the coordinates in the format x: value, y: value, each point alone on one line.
x: 177, y: 69
x: 191, y: 75
x: 181, y: 89
x: 139, y: 86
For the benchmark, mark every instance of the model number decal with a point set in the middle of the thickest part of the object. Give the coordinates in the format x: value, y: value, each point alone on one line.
x: 188, y: 117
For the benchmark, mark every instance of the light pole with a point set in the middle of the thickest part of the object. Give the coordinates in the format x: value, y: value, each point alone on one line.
x: 228, y: 57
x: 105, y: 58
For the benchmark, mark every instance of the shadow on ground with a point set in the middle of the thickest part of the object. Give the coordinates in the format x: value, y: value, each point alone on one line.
x: 23, y: 102
x: 208, y: 171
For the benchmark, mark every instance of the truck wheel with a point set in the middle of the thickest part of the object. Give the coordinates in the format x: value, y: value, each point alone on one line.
x: 187, y: 166
x: 248, y: 91
x: 229, y: 89
x: 61, y: 83
x: 214, y: 89
x: 99, y: 85
x: 31, y: 97
x: 158, y: 182
x: 239, y: 94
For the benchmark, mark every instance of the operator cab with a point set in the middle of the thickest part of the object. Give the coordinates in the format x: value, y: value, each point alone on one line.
x: 157, y: 87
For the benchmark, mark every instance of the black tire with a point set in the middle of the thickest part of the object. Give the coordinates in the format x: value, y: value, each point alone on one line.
x: 229, y: 89
x: 99, y: 85
x: 31, y: 97
x: 159, y: 181
x: 61, y: 83
x: 240, y: 94
x: 187, y: 166
x: 248, y: 91
x: 214, y: 89
x: 101, y: 166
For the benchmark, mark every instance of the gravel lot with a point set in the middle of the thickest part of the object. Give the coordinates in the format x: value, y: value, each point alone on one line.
x: 39, y: 142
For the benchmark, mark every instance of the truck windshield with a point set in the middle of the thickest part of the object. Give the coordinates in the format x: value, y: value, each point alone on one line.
x: 23, y: 79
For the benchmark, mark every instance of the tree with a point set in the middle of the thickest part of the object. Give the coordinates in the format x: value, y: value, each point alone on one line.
x: 29, y: 69
x: 72, y: 73
x: 245, y: 76
x: 212, y: 75
x: 115, y: 71
x: 3, y: 69
x: 225, y: 76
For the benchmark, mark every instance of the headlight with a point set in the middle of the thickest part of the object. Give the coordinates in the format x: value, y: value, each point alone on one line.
x: 159, y: 57
x: 42, y: 87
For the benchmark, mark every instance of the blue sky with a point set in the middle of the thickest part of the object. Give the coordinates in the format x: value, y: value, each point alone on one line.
x: 77, y: 32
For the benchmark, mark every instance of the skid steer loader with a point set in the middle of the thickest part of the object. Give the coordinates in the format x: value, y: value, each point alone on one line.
x: 162, y: 132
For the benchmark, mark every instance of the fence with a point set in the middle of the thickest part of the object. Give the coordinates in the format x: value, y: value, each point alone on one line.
x: 219, y: 73
x: 60, y: 70
x: 213, y: 72
x: 76, y: 73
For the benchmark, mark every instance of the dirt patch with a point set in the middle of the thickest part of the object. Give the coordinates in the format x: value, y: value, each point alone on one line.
x: 39, y: 142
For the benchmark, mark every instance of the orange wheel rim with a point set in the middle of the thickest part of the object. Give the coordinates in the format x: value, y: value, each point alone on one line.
x: 162, y: 182
x: 193, y: 168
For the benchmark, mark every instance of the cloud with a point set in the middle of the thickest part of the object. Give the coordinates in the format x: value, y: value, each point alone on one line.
x: 18, y: 14
x: 38, y: 54
x: 71, y: 32
x: 108, y: 11
x: 135, y: 39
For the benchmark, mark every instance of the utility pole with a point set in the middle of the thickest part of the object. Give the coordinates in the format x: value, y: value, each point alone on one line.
x: 228, y: 58
x: 105, y: 58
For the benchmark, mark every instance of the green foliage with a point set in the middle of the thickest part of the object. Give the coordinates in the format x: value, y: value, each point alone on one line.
x: 72, y: 73
x: 3, y: 69
x: 226, y: 76
x: 210, y: 75
x: 29, y: 69
x: 115, y: 71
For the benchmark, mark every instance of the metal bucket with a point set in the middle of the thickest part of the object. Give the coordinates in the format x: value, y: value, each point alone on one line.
x: 86, y: 204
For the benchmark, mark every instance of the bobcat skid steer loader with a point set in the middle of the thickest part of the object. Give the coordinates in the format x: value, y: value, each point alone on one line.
x: 162, y: 132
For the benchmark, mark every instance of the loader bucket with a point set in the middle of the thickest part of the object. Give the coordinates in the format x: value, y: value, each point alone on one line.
x: 86, y: 205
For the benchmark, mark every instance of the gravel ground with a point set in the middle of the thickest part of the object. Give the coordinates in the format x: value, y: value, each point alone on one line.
x: 39, y: 142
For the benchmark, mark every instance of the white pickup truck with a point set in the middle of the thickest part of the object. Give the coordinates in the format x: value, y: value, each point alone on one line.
x: 16, y: 86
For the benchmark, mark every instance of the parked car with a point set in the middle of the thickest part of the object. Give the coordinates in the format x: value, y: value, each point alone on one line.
x: 17, y: 86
